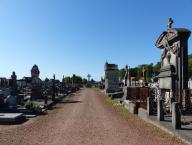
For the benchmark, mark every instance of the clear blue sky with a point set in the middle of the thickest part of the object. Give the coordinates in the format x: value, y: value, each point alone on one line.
x: 68, y: 37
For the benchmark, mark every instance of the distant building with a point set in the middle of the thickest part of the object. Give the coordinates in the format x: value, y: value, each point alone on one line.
x: 4, y: 83
x: 111, y: 78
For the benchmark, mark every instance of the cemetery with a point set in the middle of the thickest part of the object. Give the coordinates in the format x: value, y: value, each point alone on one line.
x: 30, y: 96
x: 166, y: 99
x: 95, y: 72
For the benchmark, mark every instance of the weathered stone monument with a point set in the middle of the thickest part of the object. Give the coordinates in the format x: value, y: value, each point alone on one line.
x: 173, y: 75
x: 174, y: 61
x: 11, y: 100
x: 111, y: 78
x: 127, y: 76
x: 13, y: 83
x: 53, y: 88
x: 127, y: 82
x: 36, y: 83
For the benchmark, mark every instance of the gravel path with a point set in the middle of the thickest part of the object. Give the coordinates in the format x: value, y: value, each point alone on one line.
x: 85, y: 119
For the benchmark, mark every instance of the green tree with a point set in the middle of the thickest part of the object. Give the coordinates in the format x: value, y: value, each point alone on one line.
x: 68, y: 80
x: 190, y: 66
x: 133, y: 72
x: 121, y: 73
x: 156, y: 68
x: 84, y: 81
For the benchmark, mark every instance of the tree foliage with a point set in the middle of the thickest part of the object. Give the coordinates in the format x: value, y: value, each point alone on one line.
x: 121, y: 73
x: 137, y: 71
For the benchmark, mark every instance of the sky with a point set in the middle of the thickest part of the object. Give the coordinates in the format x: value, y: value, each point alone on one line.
x: 66, y: 37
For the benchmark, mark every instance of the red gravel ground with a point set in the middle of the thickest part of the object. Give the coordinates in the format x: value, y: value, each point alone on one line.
x: 84, y: 119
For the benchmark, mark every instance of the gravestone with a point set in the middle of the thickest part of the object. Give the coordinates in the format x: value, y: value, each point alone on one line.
x: 127, y: 83
x: 36, y: 83
x: 53, y: 88
x: 174, y: 61
x: 11, y: 100
x: 127, y: 75
x: 13, y: 83
x: 111, y: 78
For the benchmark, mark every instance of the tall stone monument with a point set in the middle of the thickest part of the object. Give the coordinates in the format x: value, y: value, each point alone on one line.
x: 53, y: 88
x: 13, y: 82
x: 36, y: 83
x: 11, y: 100
x: 127, y: 76
x: 127, y: 83
x: 174, y: 61
x: 111, y: 78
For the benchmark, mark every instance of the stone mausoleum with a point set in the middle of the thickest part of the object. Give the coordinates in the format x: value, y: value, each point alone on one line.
x: 111, y: 78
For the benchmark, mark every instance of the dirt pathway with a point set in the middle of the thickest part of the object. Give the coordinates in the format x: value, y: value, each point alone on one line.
x: 84, y: 119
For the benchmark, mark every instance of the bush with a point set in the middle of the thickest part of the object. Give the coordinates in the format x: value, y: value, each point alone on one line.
x: 29, y: 104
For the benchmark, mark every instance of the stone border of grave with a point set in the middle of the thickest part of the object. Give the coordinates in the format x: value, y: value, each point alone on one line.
x: 183, y: 135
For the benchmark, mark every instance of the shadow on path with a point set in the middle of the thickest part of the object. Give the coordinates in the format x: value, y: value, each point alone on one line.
x: 70, y: 101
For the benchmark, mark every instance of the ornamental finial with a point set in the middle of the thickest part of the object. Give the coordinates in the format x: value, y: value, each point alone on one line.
x: 169, y: 24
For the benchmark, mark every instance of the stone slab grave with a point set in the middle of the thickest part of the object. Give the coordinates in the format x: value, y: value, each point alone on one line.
x: 32, y: 112
x: 11, y: 117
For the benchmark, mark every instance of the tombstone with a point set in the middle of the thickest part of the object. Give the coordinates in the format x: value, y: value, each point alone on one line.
x: 11, y: 100
x: 53, y: 88
x: 63, y: 82
x: 111, y: 78
x: 13, y: 83
x: 127, y: 83
x: 127, y: 75
x: 36, y: 84
x: 174, y: 61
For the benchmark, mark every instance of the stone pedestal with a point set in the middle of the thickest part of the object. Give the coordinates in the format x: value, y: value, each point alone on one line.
x: 176, y: 116
x: 149, y: 106
x: 186, y: 102
x: 160, y: 110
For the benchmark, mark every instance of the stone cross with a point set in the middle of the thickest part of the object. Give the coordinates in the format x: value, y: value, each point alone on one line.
x: 169, y: 24
x: 88, y: 76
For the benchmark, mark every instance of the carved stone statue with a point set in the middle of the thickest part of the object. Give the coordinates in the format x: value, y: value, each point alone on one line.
x: 13, y: 84
x: 35, y: 71
x: 36, y: 83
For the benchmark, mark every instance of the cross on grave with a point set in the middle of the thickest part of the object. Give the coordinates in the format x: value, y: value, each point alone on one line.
x: 169, y: 24
x: 88, y: 76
